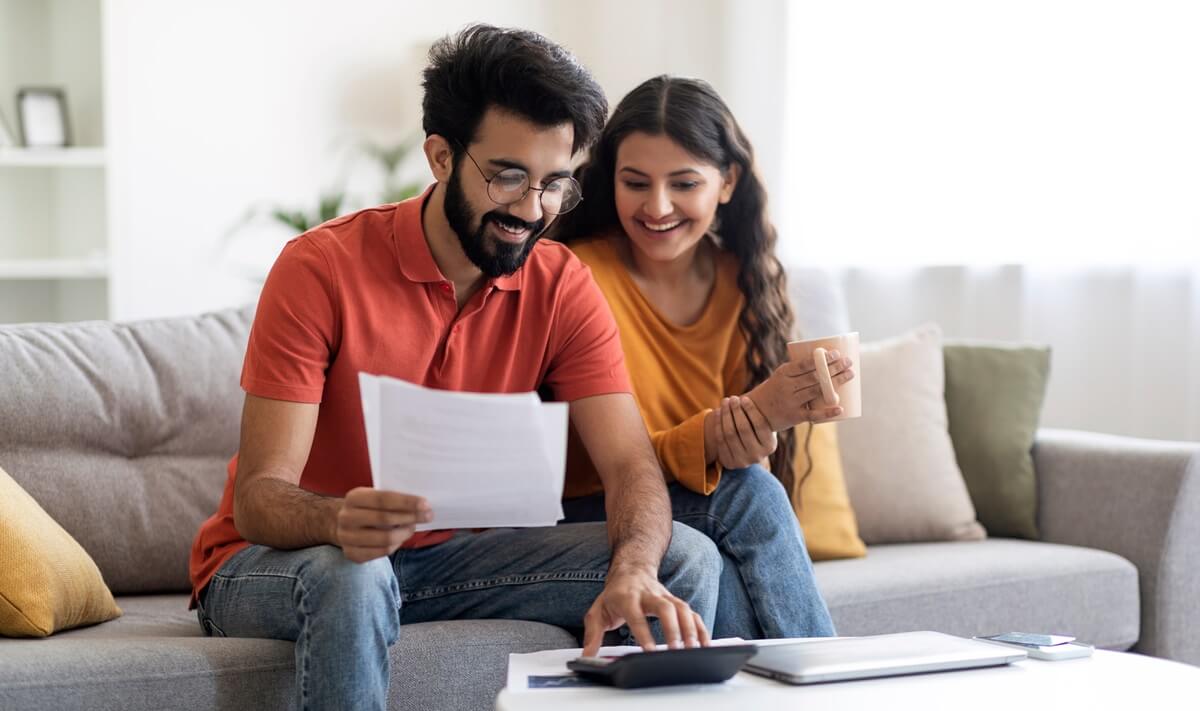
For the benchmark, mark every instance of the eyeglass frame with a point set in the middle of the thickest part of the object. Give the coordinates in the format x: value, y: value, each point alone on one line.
x: 528, y: 185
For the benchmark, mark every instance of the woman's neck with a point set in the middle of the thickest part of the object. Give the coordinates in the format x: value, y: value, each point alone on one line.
x: 696, y: 264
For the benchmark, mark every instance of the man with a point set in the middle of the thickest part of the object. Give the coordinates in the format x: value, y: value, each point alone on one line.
x: 451, y: 290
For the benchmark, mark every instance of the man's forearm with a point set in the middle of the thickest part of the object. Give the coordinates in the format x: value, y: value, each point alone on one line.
x: 276, y: 513
x: 639, y: 519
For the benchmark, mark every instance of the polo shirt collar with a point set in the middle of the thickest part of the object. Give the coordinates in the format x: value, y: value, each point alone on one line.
x: 412, y: 249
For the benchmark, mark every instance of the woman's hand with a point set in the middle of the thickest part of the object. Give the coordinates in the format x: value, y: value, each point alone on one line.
x: 744, y: 436
x: 793, y: 393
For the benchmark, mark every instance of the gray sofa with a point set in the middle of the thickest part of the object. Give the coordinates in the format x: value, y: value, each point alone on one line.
x: 122, y: 433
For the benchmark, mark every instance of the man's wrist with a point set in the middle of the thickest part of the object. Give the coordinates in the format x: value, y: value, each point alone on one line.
x: 633, y: 567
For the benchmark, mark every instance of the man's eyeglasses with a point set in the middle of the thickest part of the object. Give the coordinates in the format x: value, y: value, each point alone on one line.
x: 511, y: 185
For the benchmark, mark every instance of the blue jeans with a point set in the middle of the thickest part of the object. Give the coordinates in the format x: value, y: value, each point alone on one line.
x: 343, y: 616
x: 767, y: 585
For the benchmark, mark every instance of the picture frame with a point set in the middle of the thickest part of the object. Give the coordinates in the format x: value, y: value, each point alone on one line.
x: 42, y: 114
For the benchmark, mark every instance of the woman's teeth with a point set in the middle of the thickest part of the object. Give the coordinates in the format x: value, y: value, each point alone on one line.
x: 662, y: 226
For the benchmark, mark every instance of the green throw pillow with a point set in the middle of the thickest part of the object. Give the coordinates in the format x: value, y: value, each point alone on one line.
x: 994, y: 396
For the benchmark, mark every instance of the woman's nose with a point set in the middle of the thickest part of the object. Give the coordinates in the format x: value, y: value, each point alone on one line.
x: 658, y: 203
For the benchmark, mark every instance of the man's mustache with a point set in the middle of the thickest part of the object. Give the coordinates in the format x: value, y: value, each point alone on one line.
x: 515, y: 223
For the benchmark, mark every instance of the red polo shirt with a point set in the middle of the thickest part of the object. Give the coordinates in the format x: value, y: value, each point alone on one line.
x: 362, y: 293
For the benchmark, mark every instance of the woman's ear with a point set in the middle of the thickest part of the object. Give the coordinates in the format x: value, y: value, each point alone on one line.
x: 440, y: 157
x: 731, y: 175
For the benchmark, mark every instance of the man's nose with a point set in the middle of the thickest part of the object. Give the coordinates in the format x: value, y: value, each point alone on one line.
x: 528, y: 208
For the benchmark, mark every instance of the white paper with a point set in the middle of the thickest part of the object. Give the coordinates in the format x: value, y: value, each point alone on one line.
x: 480, y: 460
x: 537, y: 671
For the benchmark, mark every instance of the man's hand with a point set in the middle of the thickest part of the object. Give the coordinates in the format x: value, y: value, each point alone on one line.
x: 373, y: 523
x: 631, y: 596
x: 744, y: 436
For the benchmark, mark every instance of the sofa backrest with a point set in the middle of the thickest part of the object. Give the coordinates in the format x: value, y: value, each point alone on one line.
x: 122, y: 433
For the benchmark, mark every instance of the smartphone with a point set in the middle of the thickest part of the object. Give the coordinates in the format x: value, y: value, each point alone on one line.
x: 1026, y: 639
x: 699, y: 665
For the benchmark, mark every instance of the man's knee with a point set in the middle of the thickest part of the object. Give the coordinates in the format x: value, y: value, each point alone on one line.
x: 691, y: 569
x: 331, y: 582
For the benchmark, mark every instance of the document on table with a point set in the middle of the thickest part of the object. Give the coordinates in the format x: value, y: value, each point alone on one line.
x: 481, y: 460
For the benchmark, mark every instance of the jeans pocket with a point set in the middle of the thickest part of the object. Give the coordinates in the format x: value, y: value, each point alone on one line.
x: 206, y: 623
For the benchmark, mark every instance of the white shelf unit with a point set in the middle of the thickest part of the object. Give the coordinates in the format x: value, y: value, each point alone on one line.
x: 54, y: 211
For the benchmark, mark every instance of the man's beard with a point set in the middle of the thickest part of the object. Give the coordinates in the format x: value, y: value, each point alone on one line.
x: 494, y: 257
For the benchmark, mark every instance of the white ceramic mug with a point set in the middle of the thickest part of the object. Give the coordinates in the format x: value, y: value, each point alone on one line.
x: 847, y: 395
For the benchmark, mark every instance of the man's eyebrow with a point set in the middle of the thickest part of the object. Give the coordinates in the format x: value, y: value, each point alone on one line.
x: 503, y: 163
x: 684, y: 171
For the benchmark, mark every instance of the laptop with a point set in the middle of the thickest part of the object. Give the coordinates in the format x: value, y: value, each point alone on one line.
x: 839, y: 659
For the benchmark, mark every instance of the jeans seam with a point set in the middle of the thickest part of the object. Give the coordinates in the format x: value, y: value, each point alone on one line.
x: 530, y: 579
x: 751, y: 588
x: 302, y: 606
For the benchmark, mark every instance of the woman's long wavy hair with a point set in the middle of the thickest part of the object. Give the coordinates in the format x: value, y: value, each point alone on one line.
x: 690, y: 113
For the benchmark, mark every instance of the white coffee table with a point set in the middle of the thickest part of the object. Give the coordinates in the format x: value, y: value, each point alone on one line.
x: 1106, y: 680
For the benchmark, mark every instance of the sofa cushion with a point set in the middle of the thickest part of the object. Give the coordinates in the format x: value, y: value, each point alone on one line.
x: 47, y: 581
x: 155, y: 657
x: 819, y: 495
x: 985, y: 587
x: 994, y: 394
x: 905, y: 485
x: 138, y: 421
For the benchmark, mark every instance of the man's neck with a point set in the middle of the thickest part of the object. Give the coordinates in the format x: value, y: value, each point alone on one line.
x: 446, y: 248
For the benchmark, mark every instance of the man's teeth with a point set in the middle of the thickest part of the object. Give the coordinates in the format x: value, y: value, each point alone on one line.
x: 511, y: 230
x: 662, y: 227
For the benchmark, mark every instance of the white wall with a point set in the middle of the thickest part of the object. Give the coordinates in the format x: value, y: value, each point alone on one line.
x: 216, y: 106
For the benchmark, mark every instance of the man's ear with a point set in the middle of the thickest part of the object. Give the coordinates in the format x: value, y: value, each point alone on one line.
x: 732, y: 174
x: 440, y: 157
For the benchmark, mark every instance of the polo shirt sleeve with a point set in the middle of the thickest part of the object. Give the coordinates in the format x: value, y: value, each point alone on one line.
x: 586, y: 356
x: 292, y: 340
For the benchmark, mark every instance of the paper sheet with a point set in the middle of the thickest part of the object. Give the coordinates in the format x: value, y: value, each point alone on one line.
x: 481, y: 460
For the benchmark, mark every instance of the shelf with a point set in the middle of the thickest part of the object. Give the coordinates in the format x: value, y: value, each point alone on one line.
x: 53, y: 269
x: 52, y: 157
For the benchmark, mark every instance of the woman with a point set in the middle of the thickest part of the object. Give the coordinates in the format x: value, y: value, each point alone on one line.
x: 675, y: 230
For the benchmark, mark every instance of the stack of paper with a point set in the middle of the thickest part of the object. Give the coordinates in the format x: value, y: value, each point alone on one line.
x: 480, y: 460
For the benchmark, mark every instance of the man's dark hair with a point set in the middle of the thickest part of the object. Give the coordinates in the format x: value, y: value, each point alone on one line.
x: 517, y: 70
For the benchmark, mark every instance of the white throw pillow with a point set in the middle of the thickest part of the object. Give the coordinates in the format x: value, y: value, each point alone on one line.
x: 903, y: 479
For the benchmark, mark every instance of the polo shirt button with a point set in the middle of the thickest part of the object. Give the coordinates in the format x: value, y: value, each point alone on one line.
x: 445, y: 286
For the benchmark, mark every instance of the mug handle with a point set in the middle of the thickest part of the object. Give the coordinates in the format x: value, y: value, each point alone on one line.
x: 824, y: 379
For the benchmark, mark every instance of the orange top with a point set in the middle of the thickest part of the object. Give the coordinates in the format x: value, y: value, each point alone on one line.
x: 679, y: 373
x: 363, y: 293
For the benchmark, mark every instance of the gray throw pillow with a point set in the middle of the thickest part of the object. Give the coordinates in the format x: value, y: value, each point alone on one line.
x: 994, y: 395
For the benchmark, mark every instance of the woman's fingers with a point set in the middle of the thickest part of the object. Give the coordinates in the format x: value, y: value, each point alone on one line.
x: 763, y: 433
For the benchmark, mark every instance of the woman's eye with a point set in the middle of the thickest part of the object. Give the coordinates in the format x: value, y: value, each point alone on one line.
x: 686, y: 185
x: 633, y: 185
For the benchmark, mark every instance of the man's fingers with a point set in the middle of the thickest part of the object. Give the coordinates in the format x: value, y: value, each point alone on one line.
x: 375, y: 537
x: 636, y: 619
x: 594, y: 627
x: 369, y: 498
x: 668, y: 619
x: 687, y: 624
x: 702, y: 630
x: 354, y: 517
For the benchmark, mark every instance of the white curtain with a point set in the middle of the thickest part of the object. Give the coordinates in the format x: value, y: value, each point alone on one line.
x: 1125, y: 340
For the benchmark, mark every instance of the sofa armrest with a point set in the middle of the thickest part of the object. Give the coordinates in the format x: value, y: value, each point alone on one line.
x: 1140, y: 499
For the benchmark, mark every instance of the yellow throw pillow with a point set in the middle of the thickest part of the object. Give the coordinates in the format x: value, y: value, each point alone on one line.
x: 820, y: 500
x: 47, y: 581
